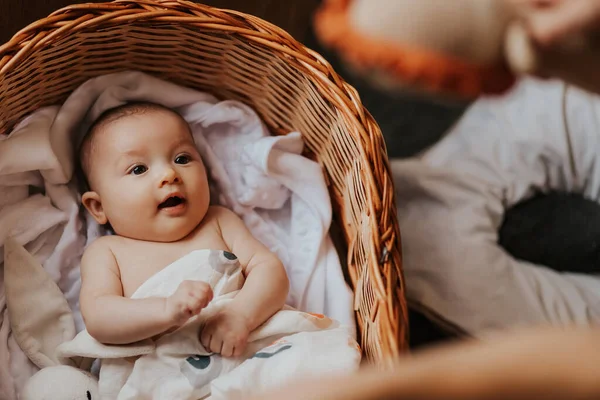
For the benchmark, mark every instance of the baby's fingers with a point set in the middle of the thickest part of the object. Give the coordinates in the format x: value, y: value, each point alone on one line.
x: 239, y: 348
x: 199, y: 302
x: 196, y: 306
x: 205, y: 338
x: 205, y: 292
x: 206, y: 298
x: 216, y: 344
x: 227, y: 349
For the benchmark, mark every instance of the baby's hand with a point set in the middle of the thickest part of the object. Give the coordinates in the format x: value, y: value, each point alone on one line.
x: 187, y: 301
x: 226, y: 333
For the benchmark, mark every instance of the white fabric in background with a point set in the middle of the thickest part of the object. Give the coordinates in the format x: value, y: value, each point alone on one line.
x: 452, y: 199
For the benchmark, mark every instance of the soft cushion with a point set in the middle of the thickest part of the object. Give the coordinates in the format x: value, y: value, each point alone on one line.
x: 40, y: 316
x: 541, y: 137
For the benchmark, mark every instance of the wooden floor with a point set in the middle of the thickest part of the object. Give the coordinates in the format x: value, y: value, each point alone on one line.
x: 291, y: 15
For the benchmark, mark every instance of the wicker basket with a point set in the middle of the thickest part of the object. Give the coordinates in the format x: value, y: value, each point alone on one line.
x: 236, y: 56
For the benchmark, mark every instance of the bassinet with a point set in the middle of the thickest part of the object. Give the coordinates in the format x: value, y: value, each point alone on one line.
x: 236, y: 56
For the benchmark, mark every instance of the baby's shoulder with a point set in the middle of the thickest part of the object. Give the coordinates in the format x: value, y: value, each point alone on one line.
x: 105, y: 242
x: 223, y: 214
x: 225, y: 218
x: 220, y: 213
x: 102, y: 247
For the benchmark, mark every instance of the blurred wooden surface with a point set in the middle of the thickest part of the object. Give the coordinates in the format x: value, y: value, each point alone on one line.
x: 291, y: 15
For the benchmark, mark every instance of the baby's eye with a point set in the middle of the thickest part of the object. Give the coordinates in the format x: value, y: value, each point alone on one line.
x: 138, y: 170
x: 182, y: 159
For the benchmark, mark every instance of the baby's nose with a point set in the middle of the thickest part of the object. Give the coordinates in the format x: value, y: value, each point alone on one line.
x: 170, y: 176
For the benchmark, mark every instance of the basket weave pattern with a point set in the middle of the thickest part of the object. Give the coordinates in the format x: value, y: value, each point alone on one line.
x: 236, y: 56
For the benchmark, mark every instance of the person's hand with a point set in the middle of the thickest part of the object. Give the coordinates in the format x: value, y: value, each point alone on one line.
x: 556, y: 39
x: 226, y: 332
x: 365, y: 384
x: 550, y: 21
x: 187, y: 301
x: 307, y: 389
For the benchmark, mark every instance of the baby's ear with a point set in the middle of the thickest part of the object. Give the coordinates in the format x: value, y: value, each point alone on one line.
x: 91, y: 201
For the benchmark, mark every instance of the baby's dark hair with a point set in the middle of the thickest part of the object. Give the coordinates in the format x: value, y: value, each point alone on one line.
x: 107, y: 117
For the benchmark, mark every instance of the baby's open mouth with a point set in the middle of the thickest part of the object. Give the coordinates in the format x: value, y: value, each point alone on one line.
x: 172, y: 201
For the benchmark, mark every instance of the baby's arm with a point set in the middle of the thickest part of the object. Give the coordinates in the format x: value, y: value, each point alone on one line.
x: 266, y: 287
x: 264, y: 292
x: 112, y: 318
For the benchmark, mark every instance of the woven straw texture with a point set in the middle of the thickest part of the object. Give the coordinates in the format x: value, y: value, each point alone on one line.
x: 236, y: 56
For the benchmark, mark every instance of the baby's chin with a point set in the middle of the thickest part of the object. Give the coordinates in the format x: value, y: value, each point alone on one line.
x: 164, y: 233
x: 162, y: 227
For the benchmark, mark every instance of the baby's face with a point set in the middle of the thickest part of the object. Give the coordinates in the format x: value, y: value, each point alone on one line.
x: 147, y: 177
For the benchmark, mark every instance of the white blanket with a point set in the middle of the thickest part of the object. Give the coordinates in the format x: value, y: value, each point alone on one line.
x: 281, y: 196
x: 451, y: 201
x: 291, y: 344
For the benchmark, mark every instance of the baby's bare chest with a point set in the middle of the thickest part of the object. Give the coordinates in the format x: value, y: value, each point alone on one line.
x: 138, y: 261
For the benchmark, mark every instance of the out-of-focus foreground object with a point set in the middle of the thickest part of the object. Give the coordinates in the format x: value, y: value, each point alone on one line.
x: 459, y: 49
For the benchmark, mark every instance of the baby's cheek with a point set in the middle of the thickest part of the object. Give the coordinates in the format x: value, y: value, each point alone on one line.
x: 128, y: 212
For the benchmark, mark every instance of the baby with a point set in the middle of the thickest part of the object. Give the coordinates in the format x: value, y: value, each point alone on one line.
x: 147, y: 180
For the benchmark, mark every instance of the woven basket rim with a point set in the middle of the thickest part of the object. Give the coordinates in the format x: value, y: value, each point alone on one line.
x: 65, y: 20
